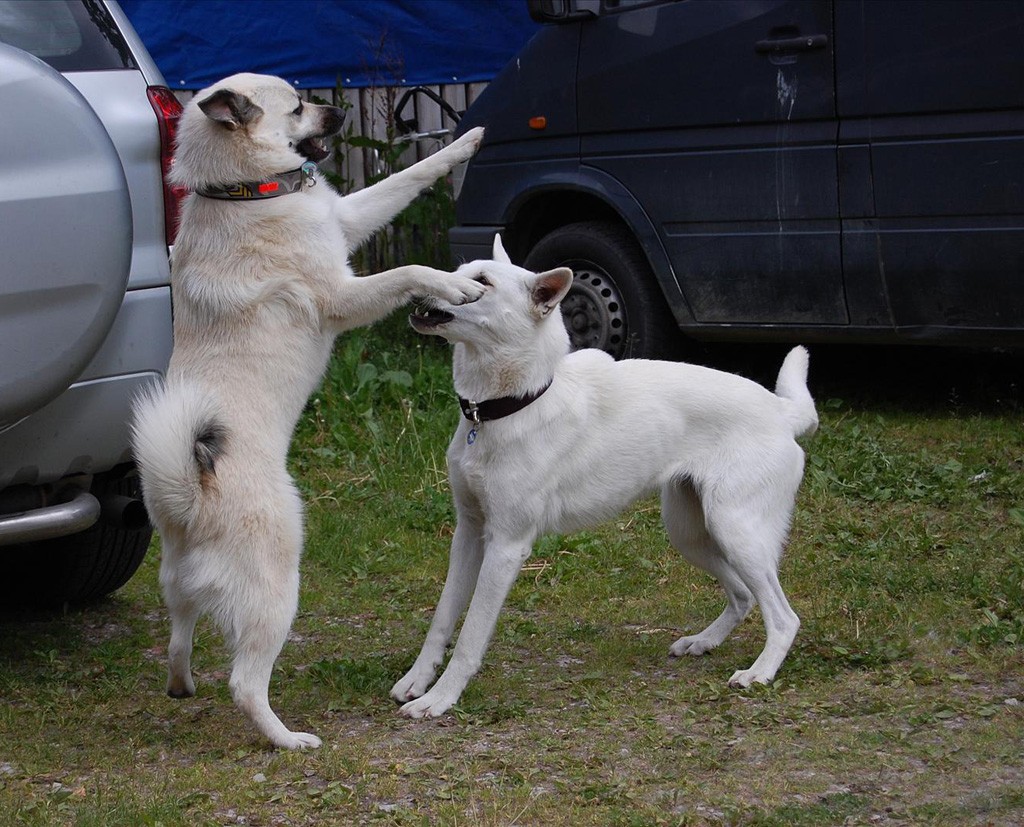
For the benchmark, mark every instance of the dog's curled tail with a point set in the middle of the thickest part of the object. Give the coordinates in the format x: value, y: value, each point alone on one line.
x: 791, y: 386
x: 177, y: 436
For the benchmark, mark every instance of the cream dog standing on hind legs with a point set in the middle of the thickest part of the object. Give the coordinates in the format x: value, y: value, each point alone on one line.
x: 577, y: 437
x: 261, y: 288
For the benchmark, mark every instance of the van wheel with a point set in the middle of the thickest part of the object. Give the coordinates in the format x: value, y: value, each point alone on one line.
x: 80, y: 567
x: 614, y: 303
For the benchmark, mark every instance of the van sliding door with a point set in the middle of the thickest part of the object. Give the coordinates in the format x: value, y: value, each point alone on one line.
x: 720, y: 118
x: 936, y: 91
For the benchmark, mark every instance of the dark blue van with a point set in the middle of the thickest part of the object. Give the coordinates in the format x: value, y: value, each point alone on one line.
x: 762, y: 169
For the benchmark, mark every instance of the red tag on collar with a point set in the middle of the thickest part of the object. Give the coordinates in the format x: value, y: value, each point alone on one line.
x: 270, y: 187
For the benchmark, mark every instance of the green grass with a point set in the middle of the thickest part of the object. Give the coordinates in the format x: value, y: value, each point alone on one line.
x: 906, y: 567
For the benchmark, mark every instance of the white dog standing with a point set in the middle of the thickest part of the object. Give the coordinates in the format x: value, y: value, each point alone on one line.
x: 261, y: 287
x: 555, y: 442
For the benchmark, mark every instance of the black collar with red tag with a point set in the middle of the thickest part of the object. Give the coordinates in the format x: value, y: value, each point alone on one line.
x: 283, y: 184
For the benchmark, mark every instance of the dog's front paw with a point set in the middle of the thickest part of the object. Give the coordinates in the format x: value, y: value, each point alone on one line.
x: 298, y: 740
x: 745, y: 677
x: 465, y: 147
x: 432, y: 705
x: 693, y: 645
x: 412, y: 686
x: 458, y: 290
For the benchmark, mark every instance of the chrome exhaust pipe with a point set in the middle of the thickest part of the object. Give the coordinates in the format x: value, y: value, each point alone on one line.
x: 77, y: 514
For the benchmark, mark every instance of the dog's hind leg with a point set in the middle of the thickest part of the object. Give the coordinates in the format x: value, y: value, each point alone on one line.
x: 780, y: 621
x: 463, y: 568
x: 179, y: 653
x: 259, y: 632
x: 259, y: 614
x: 684, y: 521
x: 184, y: 613
x: 751, y: 537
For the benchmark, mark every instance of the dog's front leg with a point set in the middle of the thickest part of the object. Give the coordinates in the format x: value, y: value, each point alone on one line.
x: 463, y: 570
x: 501, y: 565
x: 360, y: 301
x: 364, y: 212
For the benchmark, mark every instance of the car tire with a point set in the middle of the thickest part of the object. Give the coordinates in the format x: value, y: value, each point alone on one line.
x: 80, y: 567
x: 615, y: 303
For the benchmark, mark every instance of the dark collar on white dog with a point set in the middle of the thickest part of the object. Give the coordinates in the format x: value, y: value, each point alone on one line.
x: 284, y: 184
x: 490, y: 409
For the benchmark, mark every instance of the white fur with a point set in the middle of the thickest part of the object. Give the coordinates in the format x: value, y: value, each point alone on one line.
x: 260, y: 291
x: 721, y: 449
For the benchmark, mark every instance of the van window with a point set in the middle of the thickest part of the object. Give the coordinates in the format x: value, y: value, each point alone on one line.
x: 70, y: 35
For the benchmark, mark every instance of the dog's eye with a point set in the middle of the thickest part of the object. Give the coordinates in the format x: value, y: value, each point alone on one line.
x: 298, y: 109
x: 482, y: 279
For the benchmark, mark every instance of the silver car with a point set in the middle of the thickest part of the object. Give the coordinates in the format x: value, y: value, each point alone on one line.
x: 86, y: 220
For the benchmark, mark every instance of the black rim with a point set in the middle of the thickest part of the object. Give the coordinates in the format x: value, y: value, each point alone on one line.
x: 593, y: 310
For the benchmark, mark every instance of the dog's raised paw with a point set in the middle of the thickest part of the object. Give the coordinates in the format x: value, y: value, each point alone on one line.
x: 464, y: 291
x: 466, y: 146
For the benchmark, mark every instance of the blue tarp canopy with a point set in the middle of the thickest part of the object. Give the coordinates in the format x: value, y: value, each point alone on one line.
x: 313, y: 43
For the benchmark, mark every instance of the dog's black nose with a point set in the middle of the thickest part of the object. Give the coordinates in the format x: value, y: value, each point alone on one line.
x: 334, y: 119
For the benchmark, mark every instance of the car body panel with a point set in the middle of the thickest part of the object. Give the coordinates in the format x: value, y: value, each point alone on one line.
x: 119, y: 99
x: 84, y: 429
x: 539, y: 82
x: 867, y: 187
x: 66, y: 232
x: 731, y: 152
x: 936, y: 92
x: 140, y: 55
x: 91, y: 414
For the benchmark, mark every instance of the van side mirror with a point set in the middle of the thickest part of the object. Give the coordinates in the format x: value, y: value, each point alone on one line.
x: 561, y: 11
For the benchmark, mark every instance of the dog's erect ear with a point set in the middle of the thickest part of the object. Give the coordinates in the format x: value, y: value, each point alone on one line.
x: 498, y: 251
x: 230, y: 108
x: 550, y: 288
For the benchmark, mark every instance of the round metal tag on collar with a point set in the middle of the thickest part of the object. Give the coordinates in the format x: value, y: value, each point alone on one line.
x: 309, y: 171
x: 472, y: 412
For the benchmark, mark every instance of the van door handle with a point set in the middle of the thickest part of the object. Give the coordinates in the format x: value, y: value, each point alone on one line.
x: 803, y: 43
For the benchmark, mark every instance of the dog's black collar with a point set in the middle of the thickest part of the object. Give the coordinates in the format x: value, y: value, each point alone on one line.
x: 283, y: 184
x: 491, y: 409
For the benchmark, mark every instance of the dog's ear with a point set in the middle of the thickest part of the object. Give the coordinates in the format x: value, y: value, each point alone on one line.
x: 498, y: 251
x: 230, y: 108
x: 550, y: 288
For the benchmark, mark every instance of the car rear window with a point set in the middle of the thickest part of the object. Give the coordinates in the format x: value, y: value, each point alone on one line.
x: 70, y: 35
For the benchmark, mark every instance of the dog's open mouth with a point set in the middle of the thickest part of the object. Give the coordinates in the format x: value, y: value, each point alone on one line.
x: 425, y: 317
x: 314, y: 148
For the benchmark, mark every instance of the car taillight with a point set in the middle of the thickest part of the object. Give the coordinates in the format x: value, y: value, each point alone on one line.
x: 168, y: 110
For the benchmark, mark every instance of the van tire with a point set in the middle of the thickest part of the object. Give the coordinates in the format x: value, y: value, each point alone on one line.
x: 80, y: 567
x: 615, y: 303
